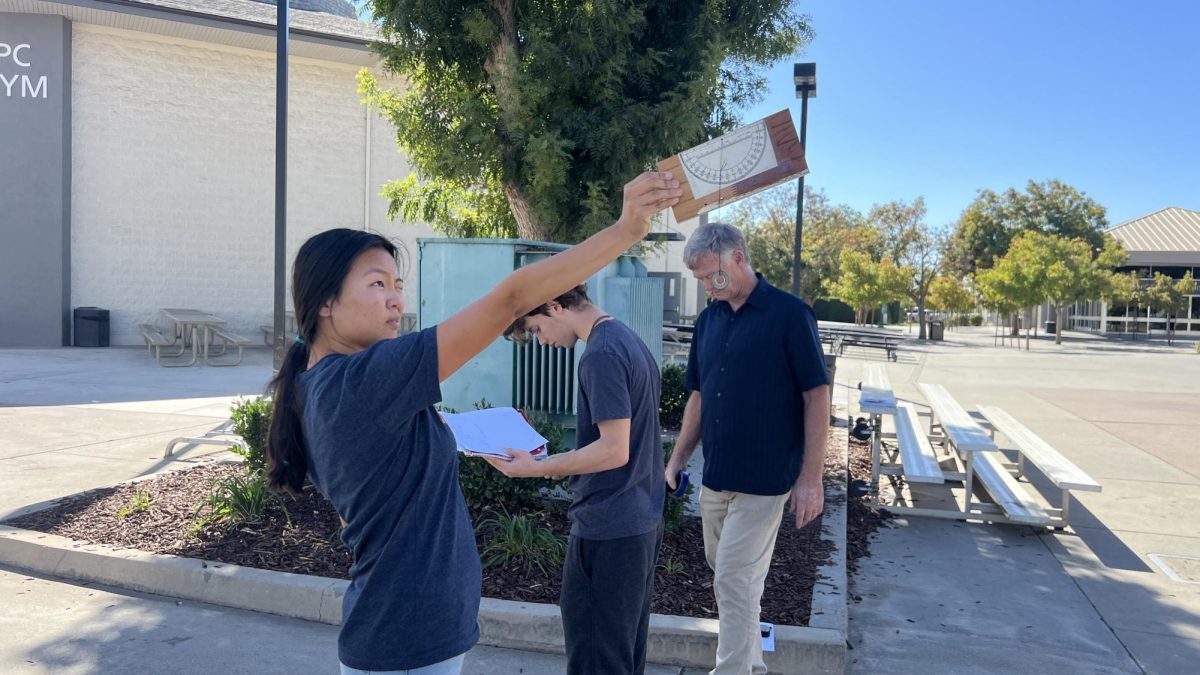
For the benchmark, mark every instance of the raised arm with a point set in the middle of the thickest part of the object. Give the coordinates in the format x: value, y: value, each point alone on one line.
x: 471, y: 330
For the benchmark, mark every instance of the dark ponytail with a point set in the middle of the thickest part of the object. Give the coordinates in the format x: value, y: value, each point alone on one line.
x: 287, y: 453
x: 317, y: 274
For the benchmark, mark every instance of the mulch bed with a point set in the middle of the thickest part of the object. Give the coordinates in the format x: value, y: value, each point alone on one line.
x: 305, y: 541
x: 861, y: 520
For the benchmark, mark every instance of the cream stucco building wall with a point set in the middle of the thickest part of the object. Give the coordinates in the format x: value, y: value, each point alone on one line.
x: 173, y: 174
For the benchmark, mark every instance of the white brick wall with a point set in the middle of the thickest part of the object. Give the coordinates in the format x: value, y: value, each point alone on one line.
x: 173, y: 174
x: 668, y: 257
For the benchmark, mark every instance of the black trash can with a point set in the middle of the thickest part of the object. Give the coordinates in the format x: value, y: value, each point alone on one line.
x: 1051, y: 327
x: 937, y: 330
x: 91, y: 327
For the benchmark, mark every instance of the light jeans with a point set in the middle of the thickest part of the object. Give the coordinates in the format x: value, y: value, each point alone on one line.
x: 451, y: 666
x: 739, y: 539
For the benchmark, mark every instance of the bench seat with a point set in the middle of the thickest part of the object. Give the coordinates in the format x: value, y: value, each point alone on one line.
x: 154, y: 336
x: 1058, y: 469
x: 227, y: 338
x: 889, y: 345
x: 916, y: 452
x: 1007, y: 492
x: 156, y: 340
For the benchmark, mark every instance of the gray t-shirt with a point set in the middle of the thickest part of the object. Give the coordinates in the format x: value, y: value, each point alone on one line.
x: 380, y: 452
x: 619, y: 379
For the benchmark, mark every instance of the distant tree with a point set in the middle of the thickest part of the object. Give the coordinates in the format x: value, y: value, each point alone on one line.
x: 526, y: 117
x: 1124, y: 288
x: 1170, y: 297
x: 769, y: 222
x: 989, y: 223
x: 905, y: 238
x: 899, y: 224
x: 949, y: 294
x: 866, y: 284
x: 1019, y: 277
x: 998, y: 292
x: 1062, y: 270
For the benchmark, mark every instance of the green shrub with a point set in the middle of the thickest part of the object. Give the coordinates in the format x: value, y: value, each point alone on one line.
x: 520, y: 539
x: 672, y: 567
x: 551, y: 430
x: 976, y: 320
x: 674, y: 396
x: 239, y: 499
x: 139, y: 502
x: 252, y: 421
x: 673, y: 514
x: 487, y: 488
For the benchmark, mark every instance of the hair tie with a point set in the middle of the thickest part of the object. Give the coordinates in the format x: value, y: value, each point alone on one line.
x: 299, y: 341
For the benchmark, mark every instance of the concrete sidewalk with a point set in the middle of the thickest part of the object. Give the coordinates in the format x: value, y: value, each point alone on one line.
x: 69, y: 628
x: 75, y: 419
x: 937, y: 597
x: 950, y: 597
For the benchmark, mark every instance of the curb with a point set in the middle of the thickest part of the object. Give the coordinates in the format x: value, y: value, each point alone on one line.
x: 676, y: 640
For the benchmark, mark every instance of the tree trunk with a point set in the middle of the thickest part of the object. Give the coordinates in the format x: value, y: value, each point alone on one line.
x: 921, y: 320
x: 1058, y: 320
x: 1016, y: 324
x: 500, y: 64
x: 528, y: 226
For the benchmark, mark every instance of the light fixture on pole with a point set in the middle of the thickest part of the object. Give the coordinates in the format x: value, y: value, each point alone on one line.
x: 805, y: 75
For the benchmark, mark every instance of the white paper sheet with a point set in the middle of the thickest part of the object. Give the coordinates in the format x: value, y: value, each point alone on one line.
x: 768, y: 636
x: 490, y: 431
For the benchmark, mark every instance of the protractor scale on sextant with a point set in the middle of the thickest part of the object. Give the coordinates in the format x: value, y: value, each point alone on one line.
x: 729, y: 158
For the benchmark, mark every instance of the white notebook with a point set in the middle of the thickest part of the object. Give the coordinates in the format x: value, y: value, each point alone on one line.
x: 490, y: 431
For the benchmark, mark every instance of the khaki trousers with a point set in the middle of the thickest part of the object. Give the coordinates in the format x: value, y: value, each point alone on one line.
x: 739, y: 538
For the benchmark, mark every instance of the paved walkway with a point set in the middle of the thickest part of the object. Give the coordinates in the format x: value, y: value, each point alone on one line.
x: 950, y: 597
x: 75, y: 419
x: 936, y: 596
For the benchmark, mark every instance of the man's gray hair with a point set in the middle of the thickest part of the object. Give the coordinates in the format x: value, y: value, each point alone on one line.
x: 717, y: 239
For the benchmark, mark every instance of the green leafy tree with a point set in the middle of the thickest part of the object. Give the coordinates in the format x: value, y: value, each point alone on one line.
x: 981, y: 235
x: 900, y: 227
x: 916, y: 248
x: 1062, y: 270
x: 1124, y: 288
x: 989, y: 224
x: 768, y: 220
x: 1019, y: 277
x: 949, y: 294
x: 997, y: 292
x: 1170, y: 297
x: 866, y: 284
x: 526, y: 117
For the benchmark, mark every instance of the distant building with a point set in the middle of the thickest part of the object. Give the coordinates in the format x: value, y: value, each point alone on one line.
x: 138, y: 157
x: 1165, y: 242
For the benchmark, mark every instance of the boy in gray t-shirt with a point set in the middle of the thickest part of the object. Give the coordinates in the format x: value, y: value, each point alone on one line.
x: 616, y: 478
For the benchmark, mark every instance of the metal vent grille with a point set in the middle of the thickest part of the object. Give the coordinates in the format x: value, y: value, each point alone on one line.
x: 645, y: 312
x: 544, y: 379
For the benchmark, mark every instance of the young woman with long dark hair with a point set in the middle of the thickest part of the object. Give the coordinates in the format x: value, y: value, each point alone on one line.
x: 354, y: 412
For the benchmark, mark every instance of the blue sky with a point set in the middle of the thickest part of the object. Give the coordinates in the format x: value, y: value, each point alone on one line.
x: 942, y: 98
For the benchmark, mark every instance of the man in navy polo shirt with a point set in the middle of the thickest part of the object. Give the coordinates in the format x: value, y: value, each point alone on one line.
x: 760, y: 402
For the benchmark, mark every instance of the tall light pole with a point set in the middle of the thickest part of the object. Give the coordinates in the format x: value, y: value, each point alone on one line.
x: 281, y: 99
x: 805, y: 75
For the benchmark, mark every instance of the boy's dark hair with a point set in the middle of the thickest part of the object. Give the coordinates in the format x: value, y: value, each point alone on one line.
x: 576, y: 298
